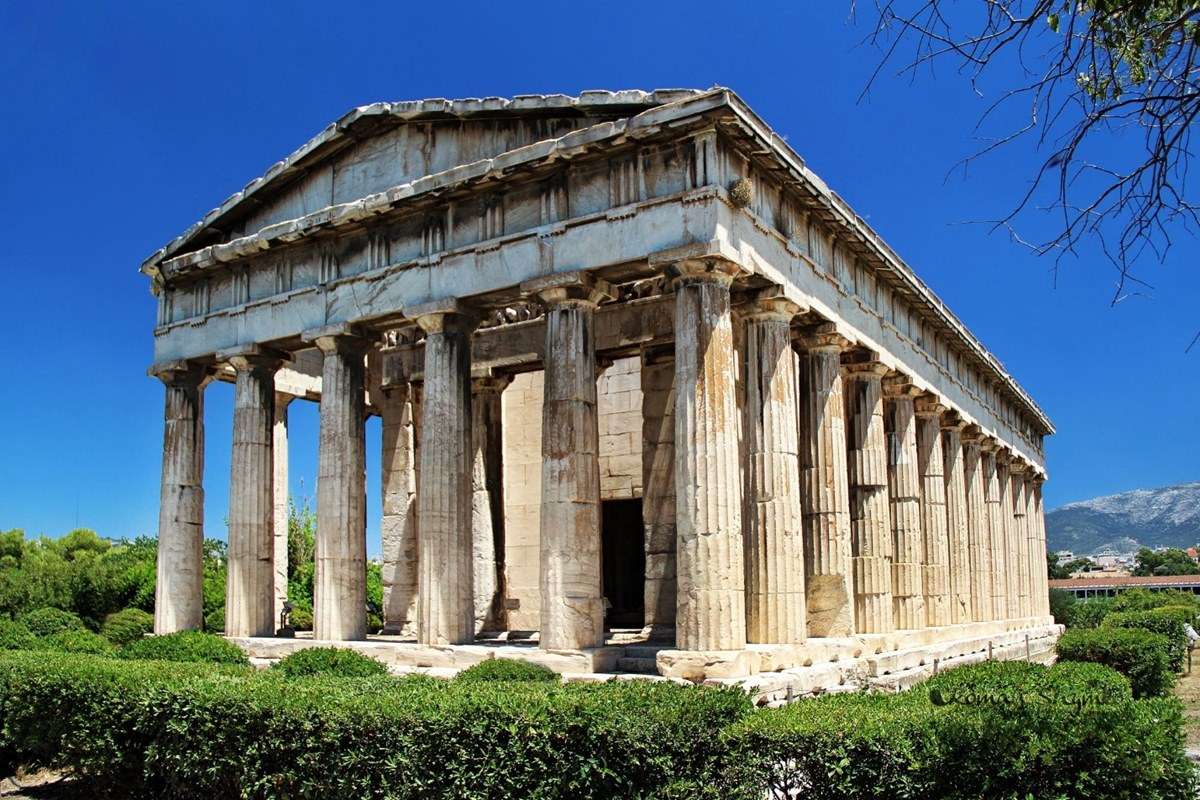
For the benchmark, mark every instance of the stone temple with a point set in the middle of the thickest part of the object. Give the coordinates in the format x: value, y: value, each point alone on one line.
x: 654, y: 399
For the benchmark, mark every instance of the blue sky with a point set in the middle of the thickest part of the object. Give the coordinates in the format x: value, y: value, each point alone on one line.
x: 123, y: 124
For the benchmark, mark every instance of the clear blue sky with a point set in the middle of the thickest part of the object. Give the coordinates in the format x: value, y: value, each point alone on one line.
x: 122, y: 126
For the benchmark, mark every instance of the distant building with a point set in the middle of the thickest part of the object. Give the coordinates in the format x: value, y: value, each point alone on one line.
x: 1065, y: 555
x: 1101, y: 585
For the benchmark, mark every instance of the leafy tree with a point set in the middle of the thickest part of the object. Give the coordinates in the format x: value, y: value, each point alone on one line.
x: 1171, y: 561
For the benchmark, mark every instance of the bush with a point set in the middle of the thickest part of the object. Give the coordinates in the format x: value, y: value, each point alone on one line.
x: 48, y: 621
x: 78, y: 642
x: 301, y: 617
x: 185, y: 646
x: 1141, y: 656
x: 184, y: 731
x: 1168, y: 625
x: 329, y: 661
x: 214, y: 621
x: 1090, y: 613
x: 1062, y: 605
x: 1009, y: 683
x: 130, y: 625
x: 15, y: 636
x: 507, y: 669
x: 1144, y: 600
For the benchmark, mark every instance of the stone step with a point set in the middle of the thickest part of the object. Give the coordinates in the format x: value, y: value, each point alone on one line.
x: 643, y: 650
x: 641, y: 666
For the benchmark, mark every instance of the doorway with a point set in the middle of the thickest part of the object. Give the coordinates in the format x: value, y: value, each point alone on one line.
x: 624, y: 563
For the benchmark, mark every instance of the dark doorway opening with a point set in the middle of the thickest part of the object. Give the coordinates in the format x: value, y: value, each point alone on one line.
x: 624, y: 559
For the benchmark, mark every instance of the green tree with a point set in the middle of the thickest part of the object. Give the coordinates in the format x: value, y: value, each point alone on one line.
x: 1171, y: 561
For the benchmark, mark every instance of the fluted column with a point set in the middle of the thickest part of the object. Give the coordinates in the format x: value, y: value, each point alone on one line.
x: 774, y: 522
x: 572, y: 608
x: 487, y: 502
x: 870, y: 514
x: 250, y: 583
x: 956, y: 519
x: 340, y: 580
x: 179, y: 590
x: 711, y: 609
x: 398, y: 522
x: 978, y: 527
x: 904, y: 495
x: 1012, y: 598
x: 445, y: 593
x: 933, y: 511
x: 279, y: 453
x: 1037, y: 516
x: 824, y: 479
x: 1033, y: 545
x: 1020, y: 537
x: 658, y: 489
x: 997, y: 578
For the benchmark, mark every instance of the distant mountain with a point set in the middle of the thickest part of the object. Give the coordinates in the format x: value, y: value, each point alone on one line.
x: 1169, y: 517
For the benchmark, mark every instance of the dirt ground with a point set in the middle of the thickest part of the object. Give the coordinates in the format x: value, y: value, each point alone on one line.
x: 1187, y: 689
x: 37, y: 786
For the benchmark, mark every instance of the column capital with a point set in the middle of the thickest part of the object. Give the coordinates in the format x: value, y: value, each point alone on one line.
x: 444, y: 316
x: 339, y: 338
x: 863, y: 364
x: 1018, y: 466
x: 929, y: 405
x: 570, y: 288
x: 254, y: 356
x: 824, y: 337
x: 897, y: 385
x: 1003, y: 456
x: 283, y: 400
x: 951, y: 421
x: 771, y: 304
x: 703, y: 270
x: 973, y: 434
x: 989, y: 444
x: 180, y: 373
x: 488, y: 380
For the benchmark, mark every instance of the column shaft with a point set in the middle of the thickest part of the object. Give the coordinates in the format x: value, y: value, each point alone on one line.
x: 870, y: 513
x: 1020, y: 539
x: 978, y: 530
x: 774, y: 522
x: 398, y: 406
x: 1012, y: 594
x: 711, y: 611
x: 445, y: 594
x: 956, y: 522
x: 904, y: 494
x: 282, y: 509
x: 179, y: 591
x: 1042, y: 605
x: 658, y: 490
x: 998, y: 577
x: 250, y: 584
x: 933, y: 512
x: 487, y: 504
x: 824, y: 479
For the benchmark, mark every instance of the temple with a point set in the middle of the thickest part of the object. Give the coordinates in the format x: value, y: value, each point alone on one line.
x: 654, y: 400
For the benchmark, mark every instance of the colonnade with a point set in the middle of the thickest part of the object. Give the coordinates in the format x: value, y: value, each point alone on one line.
x: 815, y: 491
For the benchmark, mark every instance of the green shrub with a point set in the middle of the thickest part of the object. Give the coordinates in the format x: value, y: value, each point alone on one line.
x: 185, y: 646
x: 1168, y: 625
x: 1062, y: 604
x: 48, y: 621
x: 329, y: 661
x: 130, y: 625
x: 1186, y: 615
x: 507, y: 669
x: 1141, y: 656
x: 301, y: 617
x: 15, y: 636
x: 214, y: 621
x: 1090, y: 613
x: 146, y: 729
x: 1144, y: 600
x: 78, y: 642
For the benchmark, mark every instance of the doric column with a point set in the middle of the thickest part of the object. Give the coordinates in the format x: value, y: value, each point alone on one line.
x: 398, y: 406
x: 956, y: 519
x: 445, y: 593
x: 711, y: 610
x: 774, y: 522
x: 1037, y: 561
x: 1017, y: 469
x: 179, y: 591
x: 250, y: 584
x: 933, y: 510
x: 1012, y: 599
x: 904, y: 494
x: 825, y: 482
x: 1037, y: 517
x: 870, y: 515
x: 279, y: 453
x: 978, y: 527
x: 487, y: 502
x: 658, y: 489
x: 997, y: 579
x: 572, y: 608
x: 340, y: 582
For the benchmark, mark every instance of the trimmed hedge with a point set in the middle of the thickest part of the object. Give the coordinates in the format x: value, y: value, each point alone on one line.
x: 188, y: 731
x: 507, y: 669
x: 1167, y: 625
x: 1090, y: 613
x: 78, y: 642
x: 1144, y: 600
x: 49, y: 621
x: 186, y: 646
x: 1141, y: 656
x: 124, y: 627
x: 329, y: 661
x: 1009, y: 683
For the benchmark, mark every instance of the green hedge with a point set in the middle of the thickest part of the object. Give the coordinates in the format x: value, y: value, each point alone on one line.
x: 15, y: 636
x: 506, y: 669
x: 145, y: 729
x: 123, y: 627
x: 1168, y: 625
x: 78, y: 642
x: 1141, y: 656
x: 1090, y: 613
x: 329, y: 661
x: 186, y: 646
x: 49, y: 621
x: 1144, y: 600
